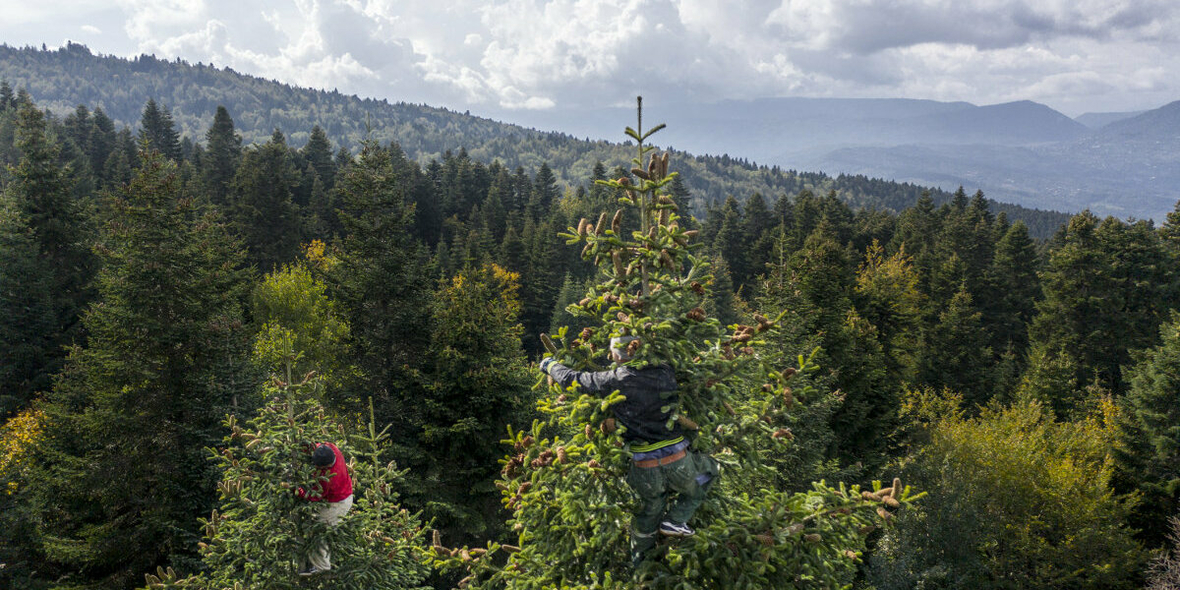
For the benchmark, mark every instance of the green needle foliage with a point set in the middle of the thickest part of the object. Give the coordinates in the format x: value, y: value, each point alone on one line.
x: 260, y: 532
x: 564, y: 480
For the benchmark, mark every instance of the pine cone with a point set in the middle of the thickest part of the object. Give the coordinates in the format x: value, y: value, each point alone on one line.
x: 783, y: 433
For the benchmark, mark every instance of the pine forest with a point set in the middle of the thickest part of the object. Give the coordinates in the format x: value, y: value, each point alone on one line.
x: 931, y: 394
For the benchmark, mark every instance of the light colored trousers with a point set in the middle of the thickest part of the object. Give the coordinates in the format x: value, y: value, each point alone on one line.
x: 330, y: 514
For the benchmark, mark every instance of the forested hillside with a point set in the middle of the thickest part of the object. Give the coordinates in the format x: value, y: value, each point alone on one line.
x: 65, y: 78
x: 183, y: 321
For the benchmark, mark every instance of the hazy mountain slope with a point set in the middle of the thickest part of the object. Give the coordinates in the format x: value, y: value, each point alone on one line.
x: 1127, y: 168
x: 1159, y: 124
x: 790, y: 131
x: 1096, y: 120
x: 1014, y: 123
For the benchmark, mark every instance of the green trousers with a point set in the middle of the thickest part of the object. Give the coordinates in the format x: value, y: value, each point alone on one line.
x: 667, y: 492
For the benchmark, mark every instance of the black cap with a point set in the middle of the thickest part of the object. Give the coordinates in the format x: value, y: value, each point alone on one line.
x: 323, y: 456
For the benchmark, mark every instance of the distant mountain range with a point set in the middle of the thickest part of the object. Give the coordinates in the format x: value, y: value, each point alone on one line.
x: 764, y: 146
x: 1122, y: 164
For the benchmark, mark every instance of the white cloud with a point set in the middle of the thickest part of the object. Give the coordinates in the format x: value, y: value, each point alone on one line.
x: 93, y: 30
x: 1076, y: 54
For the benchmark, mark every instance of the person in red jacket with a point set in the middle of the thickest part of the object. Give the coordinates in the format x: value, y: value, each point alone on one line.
x: 336, y: 495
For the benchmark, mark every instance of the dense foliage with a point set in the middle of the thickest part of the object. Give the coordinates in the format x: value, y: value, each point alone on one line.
x: 1018, y: 501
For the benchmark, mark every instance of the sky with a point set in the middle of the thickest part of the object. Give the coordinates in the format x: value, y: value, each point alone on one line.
x: 1076, y: 56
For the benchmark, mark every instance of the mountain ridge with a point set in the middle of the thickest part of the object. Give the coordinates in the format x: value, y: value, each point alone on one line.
x: 63, y: 78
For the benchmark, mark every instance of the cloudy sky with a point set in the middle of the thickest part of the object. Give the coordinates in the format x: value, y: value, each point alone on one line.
x: 1074, y: 55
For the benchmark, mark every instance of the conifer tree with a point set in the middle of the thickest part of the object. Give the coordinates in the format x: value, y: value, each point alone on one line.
x: 477, y: 384
x: 124, y: 159
x: 381, y: 282
x: 318, y: 153
x: 223, y: 152
x: 1170, y: 230
x: 759, y: 221
x: 563, y: 481
x: 1105, y: 292
x: 262, y: 210
x: 102, y: 143
x: 259, y: 534
x: 544, y: 192
x: 44, y: 211
x: 7, y: 99
x: 732, y: 242
x: 722, y: 302
x: 1016, y: 289
x: 956, y: 353
x: 888, y: 297
x: 823, y: 275
x: 28, y: 320
x: 123, y: 472
x: 1149, y: 457
x: 78, y: 127
x: 159, y: 131
x: 571, y: 292
x: 918, y: 228
x: 544, y: 270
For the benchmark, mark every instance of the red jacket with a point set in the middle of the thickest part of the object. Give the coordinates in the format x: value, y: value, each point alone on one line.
x: 339, y: 484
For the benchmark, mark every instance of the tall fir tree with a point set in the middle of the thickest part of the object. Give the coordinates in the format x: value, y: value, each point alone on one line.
x: 262, y: 210
x: 1105, y: 292
x: 544, y: 192
x: 382, y: 286
x: 732, y: 242
x: 477, y: 384
x: 102, y: 143
x: 40, y: 194
x: 260, y: 533
x: 123, y: 473
x: 887, y: 296
x: 28, y: 320
x: 223, y: 152
x: 1149, y: 456
x: 318, y: 153
x: 823, y: 274
x: 956, y: 353
x: 1016, y: 288
x: 158, y: 130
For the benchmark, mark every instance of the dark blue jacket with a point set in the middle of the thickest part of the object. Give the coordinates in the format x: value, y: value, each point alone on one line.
x: 647, y: 391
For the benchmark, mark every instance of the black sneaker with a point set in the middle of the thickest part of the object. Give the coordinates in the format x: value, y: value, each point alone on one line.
x: 671, y: 529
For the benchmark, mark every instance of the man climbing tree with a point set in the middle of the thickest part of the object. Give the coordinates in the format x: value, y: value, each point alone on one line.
x: 684, y: 375
x: 661, y: 461
x: 335, y: 491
